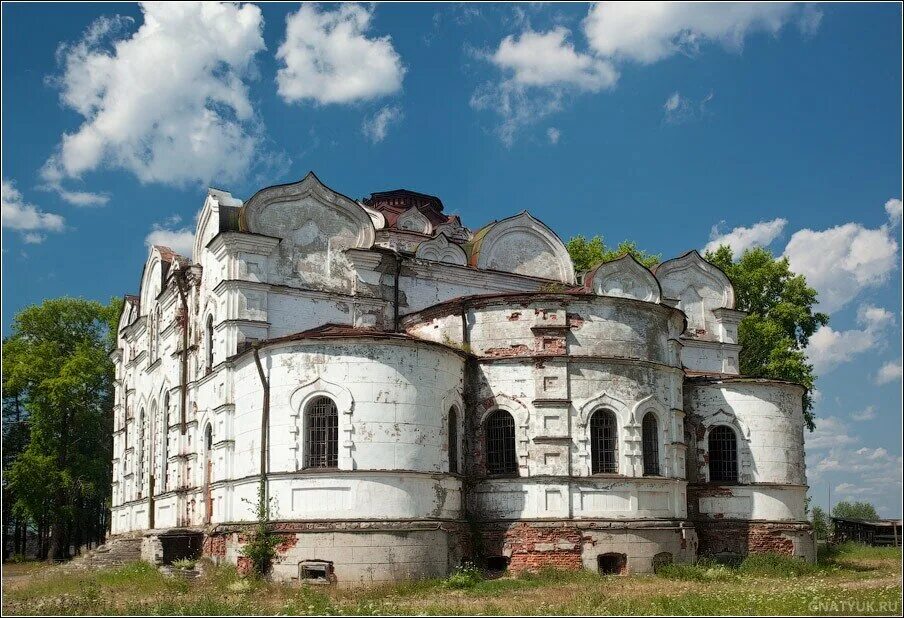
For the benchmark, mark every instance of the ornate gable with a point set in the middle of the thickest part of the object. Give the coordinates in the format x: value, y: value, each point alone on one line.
x: 624, y: 277
x: 439, y: 249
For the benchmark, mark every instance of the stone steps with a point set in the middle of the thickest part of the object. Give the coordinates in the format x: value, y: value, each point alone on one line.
x: 113, y: 553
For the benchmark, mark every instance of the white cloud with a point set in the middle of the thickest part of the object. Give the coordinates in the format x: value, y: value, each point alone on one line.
x: 553, y: 135
x: 742, y: 238
x: 539, y: 69
x: 647, y: 32
x: 894, y: 208
x: 327, y: 57
x: 829, y: 348
x: 889, y: 372
x: 376, y: 127
x: 27, y: 218
x: 830, y: 432
x: 168, y: 234
x: 679, y: 109
x: 866, y: 414
x: 545, y: 59
x: 842, y: 261
x: 168, y: 103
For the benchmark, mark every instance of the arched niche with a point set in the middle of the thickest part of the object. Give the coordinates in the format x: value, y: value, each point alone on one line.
x: 522, y: 245
x: 315, y: 226
x: 413, y: 220
x: 624, y: 277
x: 153, y: 277
x: 699, y: 287
x: 439, y: 249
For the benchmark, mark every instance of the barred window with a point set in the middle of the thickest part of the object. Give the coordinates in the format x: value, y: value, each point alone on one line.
x: 501, y: 457
x: 650, y: 445
x: 723, y: 454
x: 322, y: 421
x: 453, y: 441
x: 603, y: 442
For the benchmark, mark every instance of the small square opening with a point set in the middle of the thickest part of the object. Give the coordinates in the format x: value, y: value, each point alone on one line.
x: 315, y: 572
x: 612, y: 564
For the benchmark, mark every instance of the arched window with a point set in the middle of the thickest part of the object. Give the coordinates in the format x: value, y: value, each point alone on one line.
x: 501, y: 456
x: 453, y: 441
x: 603, y: 442
x: 322, y: 435
x: 155, y: 335
x: 209, y: 343
x: 650, y: 445
x: 208, y: 437
x: 723, y: 454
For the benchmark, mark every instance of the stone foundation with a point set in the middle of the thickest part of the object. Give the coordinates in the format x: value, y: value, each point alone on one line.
x: 349, y: 553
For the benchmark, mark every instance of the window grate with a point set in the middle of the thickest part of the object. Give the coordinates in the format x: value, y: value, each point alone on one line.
x: 501, y: 456
x: 323, y: 434
x: 723, y: 455
x: 650, y: 445
x: 604, y: 442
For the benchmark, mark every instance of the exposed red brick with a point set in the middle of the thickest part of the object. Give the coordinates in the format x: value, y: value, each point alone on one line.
x: 515, y: 350
x: 287, y: 542
x: 574, y: 320
x: 532, y: 547
x: 514, y: 316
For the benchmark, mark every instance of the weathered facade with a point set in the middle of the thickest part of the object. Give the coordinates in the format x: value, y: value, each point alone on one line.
x: 413, y: 394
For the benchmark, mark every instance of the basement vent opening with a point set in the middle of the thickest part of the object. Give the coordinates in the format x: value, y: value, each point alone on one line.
x: 315, y: 571
x: 497, y: 563
x: 611, y: 564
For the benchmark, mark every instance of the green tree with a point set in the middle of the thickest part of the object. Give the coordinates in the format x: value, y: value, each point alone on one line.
x: 821, y: 523
x: 780, y: 317
x: 585, y: 254
x: 855, y: 510
x: 56, y: 364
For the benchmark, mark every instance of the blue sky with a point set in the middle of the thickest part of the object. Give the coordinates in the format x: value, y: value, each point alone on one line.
x: 755, y: 124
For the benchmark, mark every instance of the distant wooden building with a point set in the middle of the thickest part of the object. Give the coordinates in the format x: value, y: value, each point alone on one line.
x: 874, y: 532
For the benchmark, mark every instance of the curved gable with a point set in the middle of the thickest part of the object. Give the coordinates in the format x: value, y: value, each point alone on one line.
x: 412, y: 220
x: 439, y: 249
x: 699, y: 287
x: 522, y: 245
x: 315, y: 225
x: 624, y: 277
x: 152, y: 279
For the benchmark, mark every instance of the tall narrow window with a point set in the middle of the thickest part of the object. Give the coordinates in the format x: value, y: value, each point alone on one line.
x: 164, y: 444
x: 501, y: 456
x: 723, y: 454
x: 453, y: 441
x: 139, y: 473
x: 209, y: 343
x: 322, y: 421
x: 155, y: 335
x: 650, y: 445
x: 603, y: 442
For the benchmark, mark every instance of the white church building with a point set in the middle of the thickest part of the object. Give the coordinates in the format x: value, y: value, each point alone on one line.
x: 413, y: 394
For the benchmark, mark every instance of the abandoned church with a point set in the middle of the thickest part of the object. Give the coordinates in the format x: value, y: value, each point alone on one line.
x: 413, y: 394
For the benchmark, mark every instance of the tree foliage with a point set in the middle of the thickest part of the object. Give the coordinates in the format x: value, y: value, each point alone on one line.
x: 780, y: 318
x: 822, y: 524
x: 855, y: 510
x: 58, y: 378
x: 585, y: 254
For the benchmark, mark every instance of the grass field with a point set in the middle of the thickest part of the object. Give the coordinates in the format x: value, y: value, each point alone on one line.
x: 850, y: 579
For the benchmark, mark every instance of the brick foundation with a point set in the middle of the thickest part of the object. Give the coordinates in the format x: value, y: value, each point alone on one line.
x: 531, y: 547
x: 743, y: 538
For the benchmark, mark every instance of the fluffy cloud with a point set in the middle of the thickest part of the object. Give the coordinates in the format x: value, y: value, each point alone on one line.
x: 647, y: 32
x: 27, y: 218
x: 890, y: 372
x: 540, y: 68
x: 168, y: 103
x: 830, y: 432
x: 829, y: 348
x: 327, y: 57
x: 842, y: 261
x: 169, y: 234
x: 553, y: 135
x: 742, y: 238
x: 549, y: 59
x: 894, y: 208
x: 376, y: 127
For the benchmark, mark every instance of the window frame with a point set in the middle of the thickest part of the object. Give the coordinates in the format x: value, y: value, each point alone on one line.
x: 328, y: 444
x: 501, y: 446
x: 732, y: 461
x: 598, y: 440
